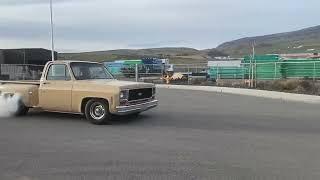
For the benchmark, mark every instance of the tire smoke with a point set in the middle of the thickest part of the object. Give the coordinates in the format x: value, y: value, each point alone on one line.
x: 9, y: 105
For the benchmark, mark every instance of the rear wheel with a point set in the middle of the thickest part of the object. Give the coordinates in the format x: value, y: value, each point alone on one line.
x: 97, y: 112
x: 22, y: 109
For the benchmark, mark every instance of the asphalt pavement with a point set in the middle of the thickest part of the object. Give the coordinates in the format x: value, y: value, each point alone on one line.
x: 191, y: 135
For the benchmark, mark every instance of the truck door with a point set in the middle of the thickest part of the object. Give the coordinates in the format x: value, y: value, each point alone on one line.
x: 55, y: 89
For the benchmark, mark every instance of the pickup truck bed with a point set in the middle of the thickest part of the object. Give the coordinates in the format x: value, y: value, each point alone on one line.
x: 28, y: 90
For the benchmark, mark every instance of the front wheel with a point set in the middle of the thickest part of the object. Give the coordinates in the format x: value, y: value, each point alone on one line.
x: 97, y: 112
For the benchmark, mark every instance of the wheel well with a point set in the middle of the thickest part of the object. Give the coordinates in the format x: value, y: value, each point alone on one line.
x: 85, y: 101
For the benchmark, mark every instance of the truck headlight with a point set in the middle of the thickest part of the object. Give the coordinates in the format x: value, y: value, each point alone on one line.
x: 124, y: 95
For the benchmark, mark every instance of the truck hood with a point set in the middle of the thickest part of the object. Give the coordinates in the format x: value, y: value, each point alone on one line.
x: 119, y: 84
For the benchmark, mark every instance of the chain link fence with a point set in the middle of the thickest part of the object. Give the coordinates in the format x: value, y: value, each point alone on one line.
x: 297, y: 77
x: 158, y: 73
x: 270, y: 76
x: 20, y: 72
x: 244, y: 71
x: 130, y: 72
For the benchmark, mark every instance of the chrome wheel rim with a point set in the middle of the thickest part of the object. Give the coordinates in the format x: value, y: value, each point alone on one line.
x: 97, y: 111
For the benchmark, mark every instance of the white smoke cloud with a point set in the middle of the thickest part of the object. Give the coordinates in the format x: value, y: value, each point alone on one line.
x: 8, y: 105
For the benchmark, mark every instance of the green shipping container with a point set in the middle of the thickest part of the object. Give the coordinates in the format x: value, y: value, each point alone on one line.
x: 262, y: 58
x: 132, y: 62
x: 301, y: 68
x: 269, y: 67
x: 266, y: 67
x: 226, y: 72
x: 268, y: 71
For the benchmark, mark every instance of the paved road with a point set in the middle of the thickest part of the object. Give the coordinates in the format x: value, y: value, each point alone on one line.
x: 191, y: 135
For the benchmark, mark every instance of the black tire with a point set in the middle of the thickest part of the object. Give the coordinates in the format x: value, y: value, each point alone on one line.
x: 22, y: 109
x: 97, y: 112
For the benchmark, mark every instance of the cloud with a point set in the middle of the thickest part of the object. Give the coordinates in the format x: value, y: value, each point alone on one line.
x: 100, y: 24
x: 28, y: 2
x: 158, y: 44
x: 23, y: 30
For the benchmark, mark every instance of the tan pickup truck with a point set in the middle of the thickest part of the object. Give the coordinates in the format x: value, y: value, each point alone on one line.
x: 81, y: 88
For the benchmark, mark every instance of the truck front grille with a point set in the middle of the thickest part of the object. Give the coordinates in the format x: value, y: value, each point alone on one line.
x: 137, y: 94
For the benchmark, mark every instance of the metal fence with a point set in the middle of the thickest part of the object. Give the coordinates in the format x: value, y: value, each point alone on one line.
x: 137, y: 70
x: 20, y: 72
x: 157, y: 73
x: 254, y: 75
x: 141, y: 72
x: 268, y: 71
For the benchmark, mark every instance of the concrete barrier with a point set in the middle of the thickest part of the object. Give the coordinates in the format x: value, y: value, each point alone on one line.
x: 250, y: 92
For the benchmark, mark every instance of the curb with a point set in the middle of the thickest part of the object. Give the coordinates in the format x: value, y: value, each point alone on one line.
x: 249, y: 92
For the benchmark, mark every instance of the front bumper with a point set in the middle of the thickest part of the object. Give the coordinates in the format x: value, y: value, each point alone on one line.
x: 126, y: 110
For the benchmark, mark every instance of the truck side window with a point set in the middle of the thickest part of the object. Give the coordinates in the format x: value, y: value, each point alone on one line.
x: 58, y: 72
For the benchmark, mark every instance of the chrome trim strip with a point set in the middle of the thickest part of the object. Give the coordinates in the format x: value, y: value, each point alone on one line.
x: 62, y: 112
x: 125, y: 110
x: 136, y: 88
x: 133, y: 101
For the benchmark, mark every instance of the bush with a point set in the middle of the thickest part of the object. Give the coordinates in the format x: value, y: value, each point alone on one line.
x: 294, y: 86
x: 306, y: 85
x: 290, y: 85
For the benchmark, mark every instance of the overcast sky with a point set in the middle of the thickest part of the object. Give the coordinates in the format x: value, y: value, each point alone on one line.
x: 85, y: 25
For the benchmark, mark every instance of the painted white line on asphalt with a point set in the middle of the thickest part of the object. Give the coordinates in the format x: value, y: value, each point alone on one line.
x: 249, y: 92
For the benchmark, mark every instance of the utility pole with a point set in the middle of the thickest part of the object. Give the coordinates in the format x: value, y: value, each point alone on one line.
x: 253, y: 60
x: 52, y: 32
x: 250, y: 65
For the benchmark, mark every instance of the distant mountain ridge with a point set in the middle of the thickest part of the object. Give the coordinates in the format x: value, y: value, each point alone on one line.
x: 175, y: 54
x: 304, y: 40
x: 301, y: 41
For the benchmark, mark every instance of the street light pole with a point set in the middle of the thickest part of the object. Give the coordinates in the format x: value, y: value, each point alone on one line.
x: 52, y: 32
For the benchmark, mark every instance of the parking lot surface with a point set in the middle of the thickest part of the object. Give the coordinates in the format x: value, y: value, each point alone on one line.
x: 191, y: 135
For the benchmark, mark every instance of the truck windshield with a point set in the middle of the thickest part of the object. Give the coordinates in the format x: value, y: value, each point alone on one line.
x: 85, y: 71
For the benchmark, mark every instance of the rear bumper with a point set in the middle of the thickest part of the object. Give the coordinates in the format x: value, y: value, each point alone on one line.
x: 126, y: 110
